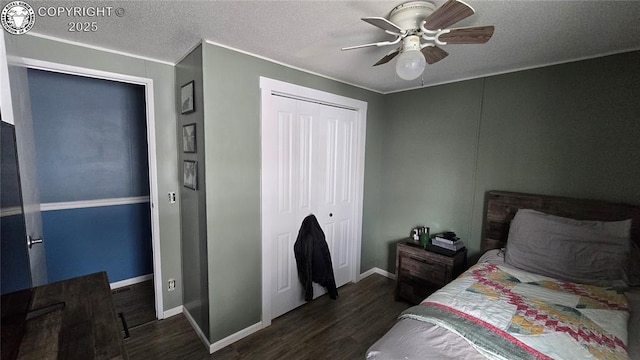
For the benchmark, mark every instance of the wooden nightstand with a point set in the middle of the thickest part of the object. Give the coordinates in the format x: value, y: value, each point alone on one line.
x: 420, y: 272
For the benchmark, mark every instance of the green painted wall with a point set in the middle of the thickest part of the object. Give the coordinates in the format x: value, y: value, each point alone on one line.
x: 567, y: 130
x: 429, y: 151
x: 232, y: 132
x: 165, y: 119
x: 193, y: 232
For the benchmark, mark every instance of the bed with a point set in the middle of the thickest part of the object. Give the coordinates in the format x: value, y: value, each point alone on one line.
x: 499, y: 310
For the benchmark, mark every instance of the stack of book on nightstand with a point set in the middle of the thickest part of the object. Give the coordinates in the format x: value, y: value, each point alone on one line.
x: 446, y: 243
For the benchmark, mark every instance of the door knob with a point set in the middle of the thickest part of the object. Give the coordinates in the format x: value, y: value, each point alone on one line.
x: 31, y: 241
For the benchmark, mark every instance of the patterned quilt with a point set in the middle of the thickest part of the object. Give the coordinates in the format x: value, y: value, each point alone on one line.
x: 506, y: 313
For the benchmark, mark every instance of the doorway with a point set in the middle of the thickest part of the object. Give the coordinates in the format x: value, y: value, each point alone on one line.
x: 92, y: 167
x: 131, y: 206
x: 312, y: 163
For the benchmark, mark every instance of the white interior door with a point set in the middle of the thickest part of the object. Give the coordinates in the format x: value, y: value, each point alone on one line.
x: 311, y: 171
x: 335, y: 186
x: 25, y: 144
x: 290, y: 138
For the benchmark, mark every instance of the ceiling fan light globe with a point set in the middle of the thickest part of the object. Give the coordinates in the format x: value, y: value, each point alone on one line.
x: 410, y: 64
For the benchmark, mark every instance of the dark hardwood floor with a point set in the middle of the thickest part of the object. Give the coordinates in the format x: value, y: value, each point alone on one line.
x: 321, y: 329
x: 137, y: 302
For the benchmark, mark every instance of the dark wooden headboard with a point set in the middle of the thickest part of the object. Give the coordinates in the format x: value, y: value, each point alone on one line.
x: 501, y: 207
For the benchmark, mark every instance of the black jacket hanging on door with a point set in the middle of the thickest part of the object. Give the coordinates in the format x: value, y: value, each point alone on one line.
x: 313, y: 259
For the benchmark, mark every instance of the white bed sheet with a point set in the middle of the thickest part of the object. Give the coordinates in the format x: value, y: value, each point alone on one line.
x: 410, y: 339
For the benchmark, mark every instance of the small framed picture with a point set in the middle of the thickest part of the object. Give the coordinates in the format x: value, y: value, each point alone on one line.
x: 189, y: 138
x: 187, y: 104
x: 190, y: 174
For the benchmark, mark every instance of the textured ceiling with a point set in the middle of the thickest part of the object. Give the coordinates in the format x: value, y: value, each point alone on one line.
x: 309, y: 34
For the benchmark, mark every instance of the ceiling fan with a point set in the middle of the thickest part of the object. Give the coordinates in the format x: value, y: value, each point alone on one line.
x: 421, y: 28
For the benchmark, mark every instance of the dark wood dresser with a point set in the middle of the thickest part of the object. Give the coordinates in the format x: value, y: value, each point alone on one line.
x: 72, y: 319
x: 420, y: 272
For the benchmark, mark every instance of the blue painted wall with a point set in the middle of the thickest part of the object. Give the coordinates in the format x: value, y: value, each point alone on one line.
x: 90, y: 137
x: 91, y: 145
x: 114, y: 238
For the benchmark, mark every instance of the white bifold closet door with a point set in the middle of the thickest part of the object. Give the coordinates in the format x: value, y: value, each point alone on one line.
x: 312, y: 155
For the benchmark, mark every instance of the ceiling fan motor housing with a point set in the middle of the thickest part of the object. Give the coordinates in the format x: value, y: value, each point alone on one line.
x: 409, y: 15
x: 411, y: 42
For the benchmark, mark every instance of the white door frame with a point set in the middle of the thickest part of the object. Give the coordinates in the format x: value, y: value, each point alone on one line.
x: 151, y: 149
x: 269, y: 87
x: 5, y: 90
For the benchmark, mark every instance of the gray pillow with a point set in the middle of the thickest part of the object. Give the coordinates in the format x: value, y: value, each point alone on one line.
x: 588, y: 252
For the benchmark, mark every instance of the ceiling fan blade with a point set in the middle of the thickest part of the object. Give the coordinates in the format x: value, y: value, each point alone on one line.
x: 472, y: 35
x: 448, y: 14
x: 384, y: 24
x: 433, y: 54
x: 388, y: 57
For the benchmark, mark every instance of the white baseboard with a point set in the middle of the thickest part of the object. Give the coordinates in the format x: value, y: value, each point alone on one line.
x: 195, y: 327
x: 378, y: 271
x: 224, y: 342
x: 132, y: 281
x: 235, y: 337
x: 367, y: 273
x: 173, y: 312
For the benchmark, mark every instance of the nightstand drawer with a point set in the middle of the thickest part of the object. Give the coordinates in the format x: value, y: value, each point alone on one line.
x: 421, y: 272
x: 423, y: 269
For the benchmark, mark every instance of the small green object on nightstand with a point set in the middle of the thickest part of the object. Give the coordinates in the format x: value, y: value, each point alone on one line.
x: 424, y: 237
